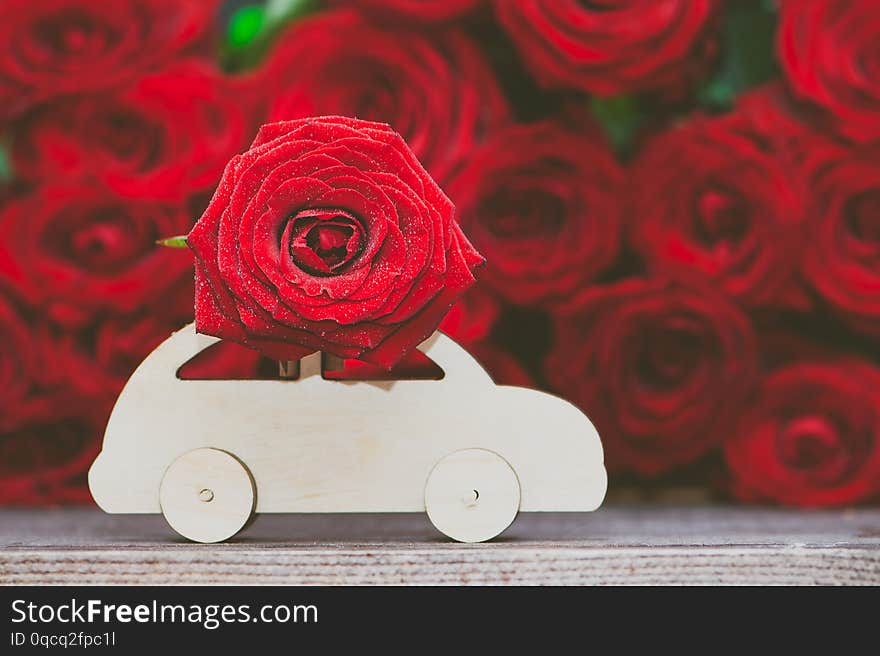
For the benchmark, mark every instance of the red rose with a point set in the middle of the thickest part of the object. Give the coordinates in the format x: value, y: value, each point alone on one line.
x: 842, y: 258
x: 33, y: 376
x: 504, y: 368
x: 73, y: 251
x: 542, y: 203
x: 471, y: 319
x: 720, y: 197
x: 48, y: 433
x: 421, y: 11
x: 95, y: 362
x: 99, y: 358
x: 328, y: 235
x: 56, y: 47
x: 167, y: 134
x: 661, y: 369
x: 437, y: 92
x: 612, y: 47
x: 828, y: 50
x: 45, y: 459
x: 769, y: 114
x: 18, y: 362
x: 811, y: 436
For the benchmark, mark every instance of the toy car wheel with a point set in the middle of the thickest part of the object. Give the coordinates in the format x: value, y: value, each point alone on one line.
x: 472, y: 495
x: 207, y: 495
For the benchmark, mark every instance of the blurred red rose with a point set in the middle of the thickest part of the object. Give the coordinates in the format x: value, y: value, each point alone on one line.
x: 661, y: 369
x: 166, y: 135
x: 19, y: 363
x: 33, y: 379
x: 811, y: 436
x: 75, y: 250
x: 771, y: 116
x: 436, y: 91
x: 717, y: 197
x: 472, y: 317
x: 60, y: 47
x: 542, y: 203
x: 842, y: 258
x: 328, y: 235
x: 421, y: 11
x: 44, y: 459
x: 105, y: 354
x: 501, y: 365
x: 828, y: 50
x: 613, y: 46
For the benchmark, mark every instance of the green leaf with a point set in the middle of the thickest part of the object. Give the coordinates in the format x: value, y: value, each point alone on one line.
x: 5, y: 165
x: 717, y: 93
x: 619, y: 116
x: 245, y: 25
x: 173, y: 242
x: 252, y: 27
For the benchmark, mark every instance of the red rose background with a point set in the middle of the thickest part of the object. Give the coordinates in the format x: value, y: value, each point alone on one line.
x: 679, y: 203
x: 438, y: 91
x: 811, y: 437
x: 168, y: 133
x: 541, y: 202
x: 612, y: 46
x: 66, y: 47
x: 828, y: 50
x: 426, y: 11
x: 662, y: 367
x: 717, y: 197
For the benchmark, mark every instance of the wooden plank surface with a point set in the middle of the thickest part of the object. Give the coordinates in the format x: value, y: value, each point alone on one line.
x: 616, y: 545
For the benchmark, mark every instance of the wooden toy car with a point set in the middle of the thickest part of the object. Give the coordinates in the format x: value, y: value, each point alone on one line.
x: 209, y: 453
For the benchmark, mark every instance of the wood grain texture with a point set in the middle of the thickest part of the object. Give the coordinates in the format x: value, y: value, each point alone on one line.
x: 616, y: 545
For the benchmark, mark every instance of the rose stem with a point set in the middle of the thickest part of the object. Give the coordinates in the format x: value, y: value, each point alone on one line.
x: 333, y: 362
x: 288, y: 369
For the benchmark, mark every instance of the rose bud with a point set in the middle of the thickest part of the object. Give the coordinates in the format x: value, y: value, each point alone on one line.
x: 328, y: 235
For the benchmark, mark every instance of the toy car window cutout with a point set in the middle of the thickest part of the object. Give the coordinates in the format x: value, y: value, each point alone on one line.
x: 226, y: 360
x: 414, y: 366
